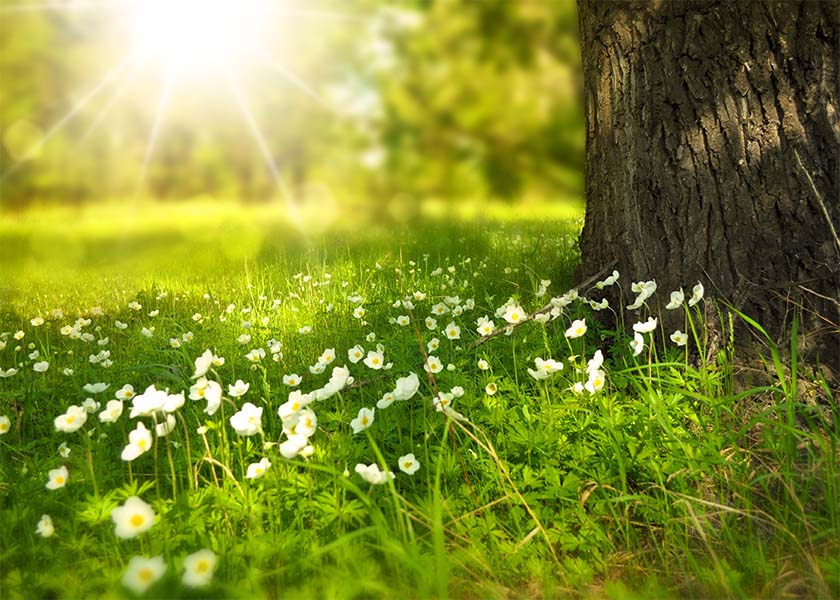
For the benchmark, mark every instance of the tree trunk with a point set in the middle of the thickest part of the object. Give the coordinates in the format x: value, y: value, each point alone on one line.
x: 713, y: 151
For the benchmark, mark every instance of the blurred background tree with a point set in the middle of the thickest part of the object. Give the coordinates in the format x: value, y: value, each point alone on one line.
x: 385, y: 102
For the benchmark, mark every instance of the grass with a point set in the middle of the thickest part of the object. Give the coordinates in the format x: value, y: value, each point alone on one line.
x: 674, y: 479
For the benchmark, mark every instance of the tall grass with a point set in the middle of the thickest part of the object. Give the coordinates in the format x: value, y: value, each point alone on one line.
x: 680, y: 477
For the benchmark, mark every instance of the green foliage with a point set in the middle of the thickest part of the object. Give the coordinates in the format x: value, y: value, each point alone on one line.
x: 451, y: 100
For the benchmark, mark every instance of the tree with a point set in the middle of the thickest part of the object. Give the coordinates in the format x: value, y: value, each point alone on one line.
x: 713, y: 151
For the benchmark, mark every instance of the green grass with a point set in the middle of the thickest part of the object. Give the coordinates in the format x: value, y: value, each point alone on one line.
x: 674, y: 479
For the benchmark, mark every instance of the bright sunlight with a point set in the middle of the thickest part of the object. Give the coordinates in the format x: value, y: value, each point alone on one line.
x: 196, y: 35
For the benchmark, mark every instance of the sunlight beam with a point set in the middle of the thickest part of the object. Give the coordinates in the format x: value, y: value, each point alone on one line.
x: 103, y: 112
x: 153, y: 135
x: 70, y: 115
x: 292, y: 78
x: 264, y: 149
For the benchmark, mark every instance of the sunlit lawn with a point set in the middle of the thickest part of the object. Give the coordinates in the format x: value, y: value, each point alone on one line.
x: 646, y: 475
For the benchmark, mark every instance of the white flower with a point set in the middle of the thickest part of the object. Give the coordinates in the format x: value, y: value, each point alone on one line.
x: 433, y: 365
x: 294, y: 445
x: 577, y: 329
x: 440, y: 309
x: 244, y: 339
x: 165, y: 427
x: 374, y: 360
x: 148, y: 331
x: 608, y: 281
x: 10, y: 372
x: 514, y: 314
x: 403, y: 320
x: 256, y: 355
x: 696, y: 294
x: 199, y: 566
x: 142, y: 572
x: 258, y: 469
x: 173, y: 402
x: 433, y: 344
x: 406, y: 387
x: 202, y: 364
x: 174, y: 343
x: 306, y: 423
x: 596, y: 381
x: 638, y: 344
x: 238, y: 389
x: 120, y: 325
x: 408, y: 464
x: 359, y: 312
x: 96, y: 388
x: 679, y: 338
x: 292, y: 380
x: 386, y: 400
x: 132, y: 518
x: 548, y: 365
x: 431, y: 323
x: 645, y: 290
x: 491, y: 388
x: 453, y: 332
x: 483, y: 365
x: 64, y: 450
x: 676, y: 299
x: 297, y: 400
x: 577, y: 388
x: 485, y: 326
x: 72, y: 420
x: 45, y: 527
x: 139, y: 442
x: 248, y: 421
x: 355, y: 354
x: 113, y: 411
x: 372, y: 474
x: 152, y: 400
x: 90, y: 405
x: 126, y: 392
x: 58, y: 478
x: 538, y: 374
x: 327, y: 356
x: 5, y: 424
x: 317, y: 368
x: 363, y: 420
x: 41, y: 367
x: 645, y: 327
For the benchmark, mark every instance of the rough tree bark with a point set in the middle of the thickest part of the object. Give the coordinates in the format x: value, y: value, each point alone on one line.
x: 713, y: 151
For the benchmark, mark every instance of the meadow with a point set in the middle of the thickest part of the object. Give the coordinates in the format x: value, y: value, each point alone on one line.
x: 209, y: 400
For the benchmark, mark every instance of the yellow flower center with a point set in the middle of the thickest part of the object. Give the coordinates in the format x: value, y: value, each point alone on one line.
x: 70, y: 419
x: 375, y: 361
x: 137, y: 520
x: 59, y: 480
x: 3, y: 427
x: 202, y: 567
x: 145, y: 574
x: 141, y: 444
x: 407, y: 464
x: 364, y: 420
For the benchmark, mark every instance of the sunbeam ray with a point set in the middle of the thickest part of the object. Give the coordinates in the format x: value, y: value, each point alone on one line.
x: 103, y: 112
x: 153, y: 134
x: 264, y: 149
x: 55, y: 128
x: 294, y: 79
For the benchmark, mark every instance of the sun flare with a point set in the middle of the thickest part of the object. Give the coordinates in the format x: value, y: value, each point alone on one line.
x: 197, y: 34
